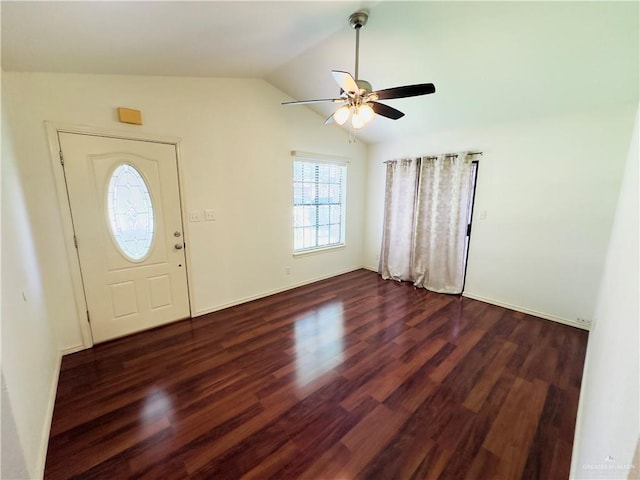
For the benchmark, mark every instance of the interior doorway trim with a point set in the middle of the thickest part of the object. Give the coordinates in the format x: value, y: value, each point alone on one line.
x: 53, y: 128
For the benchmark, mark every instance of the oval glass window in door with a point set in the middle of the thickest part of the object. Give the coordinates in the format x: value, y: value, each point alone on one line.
x: 130, y: 211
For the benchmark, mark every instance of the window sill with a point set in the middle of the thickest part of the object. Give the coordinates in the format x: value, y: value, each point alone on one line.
x: 304, y: 253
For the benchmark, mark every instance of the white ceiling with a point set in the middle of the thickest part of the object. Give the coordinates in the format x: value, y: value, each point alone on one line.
x: 491, y: 62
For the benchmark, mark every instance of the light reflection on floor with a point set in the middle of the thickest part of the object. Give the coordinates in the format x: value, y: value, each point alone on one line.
x: 156, y: 404
x: 319, y: 342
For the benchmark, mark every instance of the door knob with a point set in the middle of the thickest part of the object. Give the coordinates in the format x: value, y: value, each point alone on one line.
x: 178, y: 246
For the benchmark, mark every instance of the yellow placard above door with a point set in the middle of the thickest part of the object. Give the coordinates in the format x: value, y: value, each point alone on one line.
x: 128, y: 115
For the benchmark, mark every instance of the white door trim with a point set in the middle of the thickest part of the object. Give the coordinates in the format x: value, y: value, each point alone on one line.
x: 53, y: 128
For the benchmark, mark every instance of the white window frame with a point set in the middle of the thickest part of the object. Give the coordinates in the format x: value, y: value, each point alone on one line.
x: 315, y: 158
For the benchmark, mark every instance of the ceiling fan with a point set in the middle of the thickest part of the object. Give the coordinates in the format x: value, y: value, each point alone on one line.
x: 357, y: 97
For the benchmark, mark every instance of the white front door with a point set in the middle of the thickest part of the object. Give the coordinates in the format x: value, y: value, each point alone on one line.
x: 125, y: 205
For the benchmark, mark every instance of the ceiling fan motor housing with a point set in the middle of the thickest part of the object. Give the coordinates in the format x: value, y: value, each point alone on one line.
x: 364, y: 85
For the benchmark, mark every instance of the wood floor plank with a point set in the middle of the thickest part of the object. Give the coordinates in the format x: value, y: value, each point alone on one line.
x: 478, y: 394
x: 465, y: 344
x: 350, y: 377
x: 390, y: 377
x: 512, y: 432
x: 363, y: 445
x: 284, y: 456
x: 403, y: 457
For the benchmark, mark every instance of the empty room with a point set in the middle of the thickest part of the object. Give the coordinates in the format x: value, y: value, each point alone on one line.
x: 320, y: 240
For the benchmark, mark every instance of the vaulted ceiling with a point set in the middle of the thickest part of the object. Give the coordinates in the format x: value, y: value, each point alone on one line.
x: 491, y: 62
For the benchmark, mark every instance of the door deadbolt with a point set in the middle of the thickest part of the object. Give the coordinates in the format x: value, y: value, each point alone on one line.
x: 176, y: 234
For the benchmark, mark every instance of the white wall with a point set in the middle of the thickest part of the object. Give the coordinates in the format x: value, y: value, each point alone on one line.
x: 548, y: 188
x: 30, y: 354
x: 608, y: 425
x: 12, y: 463
x: 236, y: 143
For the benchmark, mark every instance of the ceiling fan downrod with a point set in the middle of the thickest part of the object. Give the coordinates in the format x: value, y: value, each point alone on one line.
x: 357, y: 21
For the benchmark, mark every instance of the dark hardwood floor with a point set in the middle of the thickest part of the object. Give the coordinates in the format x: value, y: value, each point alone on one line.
x: 351, y: 377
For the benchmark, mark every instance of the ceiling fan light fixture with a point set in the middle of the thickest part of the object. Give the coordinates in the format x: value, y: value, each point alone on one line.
x: 356, y: 121
x: 366, y: 113
x: 341, y: 115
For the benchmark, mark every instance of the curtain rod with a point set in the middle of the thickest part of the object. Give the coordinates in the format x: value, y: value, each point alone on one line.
x: 446, y: 155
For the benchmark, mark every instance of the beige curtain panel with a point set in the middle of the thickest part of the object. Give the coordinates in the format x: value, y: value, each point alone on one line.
x: 427, y: 203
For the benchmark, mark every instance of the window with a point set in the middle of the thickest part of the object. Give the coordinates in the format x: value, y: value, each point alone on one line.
x: 318, y: 204
x: 130, y: 212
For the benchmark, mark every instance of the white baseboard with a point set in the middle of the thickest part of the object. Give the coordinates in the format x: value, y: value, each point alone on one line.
x: 273, y: 292
x: 546, y: 316
x: 44, y: 441
x: 77, y: 348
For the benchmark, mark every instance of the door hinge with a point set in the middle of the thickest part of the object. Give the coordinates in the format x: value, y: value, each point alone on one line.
x: 468, y: 230
x: 88, y: 317
x: 75, y: 241
x: 61, y: 158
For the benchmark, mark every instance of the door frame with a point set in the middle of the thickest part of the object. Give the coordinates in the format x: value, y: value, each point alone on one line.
x: 64, y: 206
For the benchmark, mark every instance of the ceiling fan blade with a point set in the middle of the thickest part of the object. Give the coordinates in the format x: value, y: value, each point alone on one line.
x: 405, y: 91
x: 329, y: 120
x: 346, y: 81
x: 386, y: 111
x: 305, y: 102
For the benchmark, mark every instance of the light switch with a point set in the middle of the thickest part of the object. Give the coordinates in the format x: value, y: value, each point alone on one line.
x: 209, y: 215
x: 195, y: 216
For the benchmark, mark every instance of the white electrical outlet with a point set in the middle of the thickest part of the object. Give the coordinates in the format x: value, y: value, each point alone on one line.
x: 209, y: 215
x: 195, y: 216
